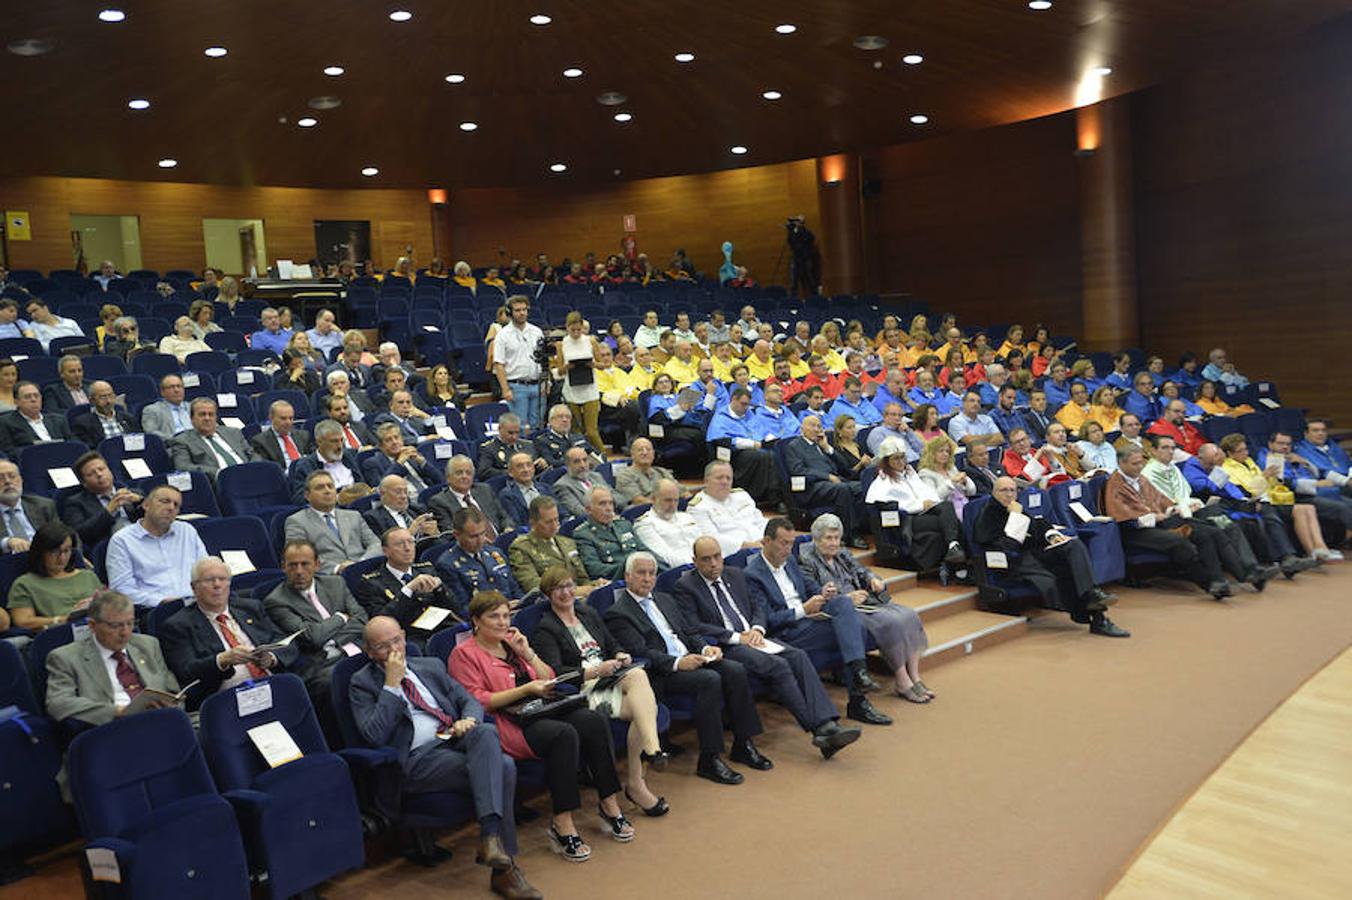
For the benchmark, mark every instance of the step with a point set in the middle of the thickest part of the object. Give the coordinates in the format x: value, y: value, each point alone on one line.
x: 953, y: 637
x: 935, y: 603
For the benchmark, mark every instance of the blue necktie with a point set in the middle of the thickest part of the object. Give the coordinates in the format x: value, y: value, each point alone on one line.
x: 673, y: 648
x: 333, y: 526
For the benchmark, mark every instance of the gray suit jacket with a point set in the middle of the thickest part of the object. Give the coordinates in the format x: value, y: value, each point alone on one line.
x: 383, y: 719
x: 38, y: 510
x: 78, y: 686
x: 572, y: 496
x: 156, y: 419
x: 292, y: 612
x: 188, y: 450
x: 445, y: 505
x: 355, y: 539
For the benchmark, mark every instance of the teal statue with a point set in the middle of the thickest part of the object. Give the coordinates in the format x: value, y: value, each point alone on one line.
x: 727, y: 271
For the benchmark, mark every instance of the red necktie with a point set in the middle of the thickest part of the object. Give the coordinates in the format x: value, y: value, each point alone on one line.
x: 290, y: 447
x: 126, y: 675
x: 416, y: 698
x: 351, y: 438
x: 232, y: 640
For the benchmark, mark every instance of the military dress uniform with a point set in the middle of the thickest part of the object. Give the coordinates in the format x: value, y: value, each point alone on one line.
x: 464, y: 573
x: 493, y: 456
x: 532, y: 555
x: 381, y: 593
x: 551, y: 445
x: 605, y: 548
x: 733, y: 521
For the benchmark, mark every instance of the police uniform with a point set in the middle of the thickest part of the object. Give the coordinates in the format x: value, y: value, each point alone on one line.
x: 465, y: 573
x: 493, y: 456
x: 532, y: 555
x: 552, y: 445
x: 605, y: 548
x: 733, y: 521
x: 381, y: 593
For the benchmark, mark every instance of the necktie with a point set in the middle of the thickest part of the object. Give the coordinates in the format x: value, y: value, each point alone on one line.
x: 414, y: 479
x: 314, y: 601
x: 416, y: 698
x: 180, y: 418
x: 15, y: 525
x: 492, y: 533
x: 333, y: 526
x: 406, y: 577
x: 223, y: 450
x: 728, y: 607
x: 673, y: 648
x: 350, y: 437
x: 126, y: 675
x: 290, y: 447
x: 232, y: 640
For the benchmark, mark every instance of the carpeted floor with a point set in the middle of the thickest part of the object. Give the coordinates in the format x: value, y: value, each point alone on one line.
x: 1044, y: 765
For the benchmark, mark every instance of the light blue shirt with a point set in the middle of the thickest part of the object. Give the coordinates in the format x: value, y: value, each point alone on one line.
x: 151, y: 569
x: 325, y: 343
x: 674, y: 647
x: 14, y: 329
x: 15, y: 523
x: 1101, y: 457
x: 62, y: 328
x: 881, y: 433
x: 266, y: 340
x: 425, y: 725
x: 960, y: 426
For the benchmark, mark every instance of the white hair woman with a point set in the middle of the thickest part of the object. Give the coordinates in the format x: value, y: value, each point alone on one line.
x: 896, y: 629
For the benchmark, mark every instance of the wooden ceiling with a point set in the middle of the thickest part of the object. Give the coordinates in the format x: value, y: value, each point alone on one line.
x: 232, y: 120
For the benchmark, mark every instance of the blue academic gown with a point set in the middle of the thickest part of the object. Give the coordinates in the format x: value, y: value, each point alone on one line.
x: 864, y: 412
x: 765, y: 423
x: 883, y: 397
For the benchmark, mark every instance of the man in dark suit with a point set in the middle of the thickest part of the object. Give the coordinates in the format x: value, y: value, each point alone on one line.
x: 208, y: 446
x: 979, y: 467
x: 105, y: 418
x: 716, y: 600
x: 1037, y: 416
x: 20, y: 516
x: 330, y: 455
x: 406, y: 590
x: 350, y: 364
x: 71, y: 391
x: 461, y: 491
x: 322, y: 609
x: 820, y: 476
x: 356, y: 436
x: 413, y: 423
x: 280, y: 442
x: 800, y: 612
x: 101, y: 506
x: 394, y: 456
x: 443, y: 743
x: 28, y: 425
x: 680, y: 662
x: 521, y: 489
x: 396, y: 510
x: 214, y: 640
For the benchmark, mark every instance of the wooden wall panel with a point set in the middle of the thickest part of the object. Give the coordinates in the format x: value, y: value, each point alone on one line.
x: 171, y: 217
x: 697, y: 212
x: 985, y: 224
x: 1244, y: 217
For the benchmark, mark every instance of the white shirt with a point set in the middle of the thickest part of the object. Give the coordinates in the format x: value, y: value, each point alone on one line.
x: 786, y: 587
x: 910, y: 491
x: 735, y: 627
x: 515, y: 348
x: 734, y: 521
x: 424, y: 725
x: 671, y: 540
x: 342, y: 475
x: 39, y: 426
x: 241, y: 672
x: 120, y: 696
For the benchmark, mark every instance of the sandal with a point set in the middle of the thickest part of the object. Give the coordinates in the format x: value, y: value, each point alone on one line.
x: 620, y: 828
x: 660, y: 808
x: 570, y: 846
x: 914, y: 694
x: 926, y: 688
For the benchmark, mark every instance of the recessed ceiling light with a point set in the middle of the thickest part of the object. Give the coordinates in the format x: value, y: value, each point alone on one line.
x: 334, y: 71
x: 870, y: 42
x: 913, y: 59
x: 772, y: 95
x: 400, y: 15
x: 611, y: 98
x: 138, y: 104
x: 786, y: 28
x: 623, y: 117
x: 168, y: 163
x: 919, y: 120
x: 540, y: 19
x: 557, y: 167
x: 1039, y: 5
x: 307, y: 122
x: 1103, y: 71
x: 112, y: 15
x: 685, y: 57
x: 370, y: 171
x: 455, y: 78
x: 739, y: 150
x: 574, y: 72
x: 29, y: 47
x: 215, y: 52
x: 328, y: 101
x: 468, y: 126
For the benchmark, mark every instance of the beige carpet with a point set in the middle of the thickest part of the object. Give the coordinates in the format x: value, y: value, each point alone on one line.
x: 1045, y: 763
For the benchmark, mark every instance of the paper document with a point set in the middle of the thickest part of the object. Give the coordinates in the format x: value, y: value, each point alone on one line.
x: 133, y: 443
x: 1016, y: 527
x: 431, y: 618
x: 237, y: 561
x: 797, y: 483
x: 63, y: 477
x: 656, y: 431
x: 1084, y: 515
x: 284, y: 642
x: 232, y: 422
x: 103, y: 865
x: 1034, y: 470
x: 1269, y: 402
x: 136, y: 467
x: 148, y: 696
x: 275, y: 743
x: 180, y: 480
x: 890, y: 518
x: 996, y: 560
x: 769, y: 646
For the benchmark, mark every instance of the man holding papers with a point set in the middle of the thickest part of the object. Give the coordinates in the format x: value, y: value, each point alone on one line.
x: 98, y: 677
x: 716, y: 601
x: 407, y: 591
x: 1033, y: 549
x: 216, y: 640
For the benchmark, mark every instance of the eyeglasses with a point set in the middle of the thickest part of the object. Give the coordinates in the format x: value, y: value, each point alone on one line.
x: 392, y: 644
x: 127, y: 625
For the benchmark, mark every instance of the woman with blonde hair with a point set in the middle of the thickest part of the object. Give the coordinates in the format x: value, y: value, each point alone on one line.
x: 1104, y: 410
x: 108, y: 314
x: 574, y: 365
x: 949, y: 482
x: 228, y: 293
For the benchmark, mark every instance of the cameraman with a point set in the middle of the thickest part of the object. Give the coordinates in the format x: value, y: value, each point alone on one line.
x: 515, y: 363
x: 804, y: 264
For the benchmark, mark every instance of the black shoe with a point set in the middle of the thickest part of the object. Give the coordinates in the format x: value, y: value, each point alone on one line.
x: 1261, y: 575
x: 860, y: 681
x: 745, y: 752
x: 861, y: 710
x: 955, y: 555
x: 671, y: 749
x: 713, y: 768
x: 1294, y: 564
x: 1103, y: 625
x: 858, y: 543
x: 1097, y: 600
x: 830, y: 738
x: 1219, y: 590
x: 657, y: 760
x: 660, y: 808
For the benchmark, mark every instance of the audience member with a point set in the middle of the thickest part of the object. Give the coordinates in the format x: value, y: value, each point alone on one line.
x: 521, y: 490
x: 473, y: 564
x: 726, y: 512
x: 638, y: 481
x: 396, y: 510
x: 408, y: 591
x: 531, y: 554
x: 45, y: 326
x: 104, y: 419
x: 21, y: 515
x: 462, y: 491
x: 496, y: 452
x: 52, y: 588
x: 339, y: 537
x: 68, y: 391
x: 1329, y: 459
x: 753, y: 466
x: 820, y: 476
x: 151, y: 561
x: 272, y: 336
x: 514, y: 364
x: 325, y: 336
x: 605, y: 541
x: 27, y: 424
x: 169, y: 415
x: 1220, y: 368
x: 208, y: 446
x: 571, y: 488
x: 332, y: 456
x: 1173, y: 423
x: 393, y: 457
x: 101, y: 506
x: 897, y: 482
x: 355, y: 435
